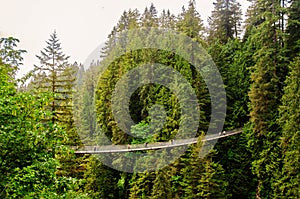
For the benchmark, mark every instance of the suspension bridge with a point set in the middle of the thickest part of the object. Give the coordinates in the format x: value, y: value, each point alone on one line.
x: 151, y: 146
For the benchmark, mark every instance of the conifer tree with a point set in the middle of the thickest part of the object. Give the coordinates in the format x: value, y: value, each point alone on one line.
x: 225, y: 21
x: 233, y: 60
x: 58, y: 79
x: 267, y: 76
x: 55, y: 76
x: 203, y: 178
x: 85, y: 114
x: 101, y: 181
x: 149, y: 17
x: 287, y: 184
x: 29, y: 145
x: 161, y: 185
x: 141, y: 185
x: 167, y: 20
x: 190, y: 23
x: 293, y: 25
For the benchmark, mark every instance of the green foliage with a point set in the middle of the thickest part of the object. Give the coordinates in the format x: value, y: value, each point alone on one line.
x: 10, y: 55
x: 293, y: 39
x: 36, y: 123
x: 202, y: 178
x: 28, y: 145
x: 235, y: 157
x: 162, y: 185
x: 233, y: 60
x: 57, y: 77
x: 101, y: 181
x: 225, y: 21
x: 141, y: 185
x: 287, y: 182
x: 190, y: 22
x: 141, y: 133
x: 84, y: 105
x: 267, y: 76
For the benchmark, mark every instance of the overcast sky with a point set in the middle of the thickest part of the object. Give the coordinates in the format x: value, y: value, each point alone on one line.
x: 81, y: 25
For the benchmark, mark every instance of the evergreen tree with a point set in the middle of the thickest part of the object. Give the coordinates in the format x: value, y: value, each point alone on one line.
x: 233, y: 60
x: 58, y: 79
x: 225, y: 21
x: 85, y: 114
x: 287, y: 185
x: 149, y: 17
x: 167, y: 20
x: 28, y: 145
x: 293, y: 25
x: 267, y: 76
x: 254, y: 17
x: 101, y: 181
x: 161, y: 185
x: 141, y: 185
x: 203, y: 178
x: 190, y: 23
x: 233, y: 155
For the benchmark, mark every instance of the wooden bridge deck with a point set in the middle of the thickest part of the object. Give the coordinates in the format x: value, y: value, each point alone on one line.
x: 150, y: 146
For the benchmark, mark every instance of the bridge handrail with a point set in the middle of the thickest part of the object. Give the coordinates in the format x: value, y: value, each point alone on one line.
x: 150, y: 146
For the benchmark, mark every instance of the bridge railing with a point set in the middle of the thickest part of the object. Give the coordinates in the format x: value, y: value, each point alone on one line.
x: 149, y: 146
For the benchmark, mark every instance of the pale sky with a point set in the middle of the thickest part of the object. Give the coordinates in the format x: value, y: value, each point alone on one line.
x: 81, y: 25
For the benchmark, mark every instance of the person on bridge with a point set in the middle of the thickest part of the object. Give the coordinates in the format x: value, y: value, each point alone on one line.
x: 146, y: 144
x: 128, y: 146
x: 224, y: 132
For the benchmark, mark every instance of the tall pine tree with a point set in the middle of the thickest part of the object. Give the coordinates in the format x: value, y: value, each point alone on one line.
x: 58, y: 79
x: 225, y: 21
x: 287, y: 184
x: 265, y: 93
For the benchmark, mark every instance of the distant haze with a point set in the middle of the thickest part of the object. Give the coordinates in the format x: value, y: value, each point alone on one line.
x: 81, y: 25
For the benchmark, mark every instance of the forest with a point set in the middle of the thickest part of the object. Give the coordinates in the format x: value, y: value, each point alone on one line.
x: 59, y: 105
